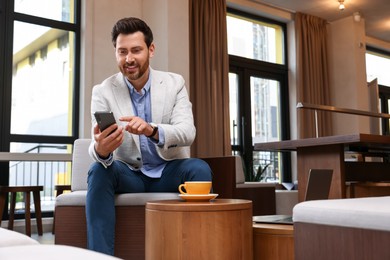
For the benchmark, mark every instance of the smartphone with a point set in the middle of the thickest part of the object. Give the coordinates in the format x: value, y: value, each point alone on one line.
x: 104, y: 119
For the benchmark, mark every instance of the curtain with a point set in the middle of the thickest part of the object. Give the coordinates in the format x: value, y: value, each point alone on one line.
x: 209, y: 84
x: 312, y: 74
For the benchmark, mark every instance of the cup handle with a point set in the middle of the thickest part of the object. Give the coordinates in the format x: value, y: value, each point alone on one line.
x: 181, y: 190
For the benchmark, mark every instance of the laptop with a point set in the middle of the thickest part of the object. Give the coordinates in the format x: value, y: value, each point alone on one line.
x: 318, y: 186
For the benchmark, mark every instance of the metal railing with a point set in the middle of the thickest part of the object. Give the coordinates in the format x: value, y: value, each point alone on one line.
x: 338, y: 110
x: 36, y: 168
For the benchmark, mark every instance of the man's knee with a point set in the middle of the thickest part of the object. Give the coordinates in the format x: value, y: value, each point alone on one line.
x: 99, y: 174
x: 201, y: 169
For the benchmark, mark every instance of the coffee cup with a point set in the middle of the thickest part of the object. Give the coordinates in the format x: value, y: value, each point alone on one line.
x: 195, y: 187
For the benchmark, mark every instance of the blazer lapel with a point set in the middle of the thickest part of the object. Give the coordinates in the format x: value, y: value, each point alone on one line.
x: 157, y: 92
x: 125, y: 105
x: 122, y: 96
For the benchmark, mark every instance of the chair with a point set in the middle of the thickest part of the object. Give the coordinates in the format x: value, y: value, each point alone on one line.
x: 13, y: 190
x: 70, y: 220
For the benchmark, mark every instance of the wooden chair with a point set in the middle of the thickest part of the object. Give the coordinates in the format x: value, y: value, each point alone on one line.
x: 4, y: 190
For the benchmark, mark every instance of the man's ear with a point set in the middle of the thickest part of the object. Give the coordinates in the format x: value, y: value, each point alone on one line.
x: 151, y: 50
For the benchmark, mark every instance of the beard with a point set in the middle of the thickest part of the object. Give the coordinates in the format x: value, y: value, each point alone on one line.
x: 138, y: 71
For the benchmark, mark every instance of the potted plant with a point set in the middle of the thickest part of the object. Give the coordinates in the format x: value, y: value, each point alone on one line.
x: 258, y: 172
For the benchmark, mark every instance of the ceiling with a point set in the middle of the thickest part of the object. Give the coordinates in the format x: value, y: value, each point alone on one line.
x: 376, y: 13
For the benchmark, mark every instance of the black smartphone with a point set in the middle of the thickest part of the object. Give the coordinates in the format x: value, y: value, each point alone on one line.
x: 104, y: 119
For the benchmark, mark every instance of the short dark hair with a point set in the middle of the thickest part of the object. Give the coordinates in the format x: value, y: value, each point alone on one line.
x: 131, y: 25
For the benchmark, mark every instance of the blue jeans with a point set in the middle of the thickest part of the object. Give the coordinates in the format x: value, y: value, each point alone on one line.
x: 104, y: 183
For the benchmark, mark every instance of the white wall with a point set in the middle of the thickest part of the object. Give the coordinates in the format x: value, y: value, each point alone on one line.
x: 347, y: 74
x: 168, y: 20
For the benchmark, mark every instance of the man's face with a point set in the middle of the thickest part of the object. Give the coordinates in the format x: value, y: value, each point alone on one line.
x: 132, y: 56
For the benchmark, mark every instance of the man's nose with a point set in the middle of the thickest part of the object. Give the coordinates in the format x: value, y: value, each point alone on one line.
x: 129, y: 58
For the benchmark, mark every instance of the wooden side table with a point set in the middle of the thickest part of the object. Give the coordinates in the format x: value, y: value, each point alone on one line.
x: 273, y: 241
x: 37, y: 203
x: 219, y: 229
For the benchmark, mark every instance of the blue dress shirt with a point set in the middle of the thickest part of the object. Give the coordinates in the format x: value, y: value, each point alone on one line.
x: 152, y: 163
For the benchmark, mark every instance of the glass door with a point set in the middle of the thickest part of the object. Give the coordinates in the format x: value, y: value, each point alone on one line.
x: 256, y: 114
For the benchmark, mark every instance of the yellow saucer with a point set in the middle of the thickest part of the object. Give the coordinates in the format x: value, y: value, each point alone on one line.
x: 198, y: 197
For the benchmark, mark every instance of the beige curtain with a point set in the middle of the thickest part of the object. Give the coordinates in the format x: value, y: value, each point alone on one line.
x: 209, y: 86
x: 312, y: 74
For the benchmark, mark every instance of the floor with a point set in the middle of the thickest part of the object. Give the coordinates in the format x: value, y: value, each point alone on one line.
x: 47, y: 225
x: 47, y: 238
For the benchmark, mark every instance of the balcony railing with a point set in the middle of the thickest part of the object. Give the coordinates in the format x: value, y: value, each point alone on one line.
x: 36, y: 168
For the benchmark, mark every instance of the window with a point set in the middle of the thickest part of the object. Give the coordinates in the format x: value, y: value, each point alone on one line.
x: 258, y: 94
x: 377, y: 66
x: 39, y: 69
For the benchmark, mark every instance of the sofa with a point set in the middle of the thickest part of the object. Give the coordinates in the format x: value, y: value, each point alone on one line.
x: 15, y: 245
x: 70, y: 221
x: 9, y: 238
x: 356, y: 228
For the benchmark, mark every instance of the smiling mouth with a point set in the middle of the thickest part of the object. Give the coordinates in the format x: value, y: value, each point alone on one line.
x: 130, y: 69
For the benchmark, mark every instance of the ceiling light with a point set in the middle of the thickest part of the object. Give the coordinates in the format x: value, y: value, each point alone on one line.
x: 341, y: 6
x: 357, y: 16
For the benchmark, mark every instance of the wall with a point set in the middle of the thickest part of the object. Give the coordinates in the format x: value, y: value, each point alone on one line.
x: 347, y: 74
x: 168, y: 20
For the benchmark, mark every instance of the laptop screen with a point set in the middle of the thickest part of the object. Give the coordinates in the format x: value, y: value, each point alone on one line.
x: 318, y: 186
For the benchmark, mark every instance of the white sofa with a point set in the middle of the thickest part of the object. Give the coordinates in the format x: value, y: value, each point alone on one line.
x: 49, y: 252
x: 15, y: 245
x: 9, y: 238
x: 356, y: 228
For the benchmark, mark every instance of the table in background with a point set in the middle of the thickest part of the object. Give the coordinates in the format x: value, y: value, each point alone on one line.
x: 328, y: 153
x: 273, y: 241
x: 219, y: 229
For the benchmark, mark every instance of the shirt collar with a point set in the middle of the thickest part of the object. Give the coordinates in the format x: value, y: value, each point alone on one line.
x: 144, y: 90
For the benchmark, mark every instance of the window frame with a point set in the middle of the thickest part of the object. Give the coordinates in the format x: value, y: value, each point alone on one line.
x: 245, y: 68
x: 384, y: 94
x: 7, y: 19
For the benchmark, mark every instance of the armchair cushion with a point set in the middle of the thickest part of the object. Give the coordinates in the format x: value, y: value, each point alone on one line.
x: 78, y: 198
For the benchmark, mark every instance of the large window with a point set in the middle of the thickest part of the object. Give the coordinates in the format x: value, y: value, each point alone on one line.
x: 377, y: 68
x: 39, y: 68
x: 258, y: 94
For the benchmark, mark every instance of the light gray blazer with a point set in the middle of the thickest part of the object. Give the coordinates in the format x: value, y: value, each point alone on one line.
x: 171, y: 110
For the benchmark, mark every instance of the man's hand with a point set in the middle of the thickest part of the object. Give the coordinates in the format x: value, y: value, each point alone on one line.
x: 106, y: 143
x: 137, y: 125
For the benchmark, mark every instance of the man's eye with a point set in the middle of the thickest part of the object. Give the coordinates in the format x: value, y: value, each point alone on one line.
x: 122, y: 52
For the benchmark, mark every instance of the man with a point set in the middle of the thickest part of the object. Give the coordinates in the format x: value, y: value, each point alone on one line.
x: 148, y: 150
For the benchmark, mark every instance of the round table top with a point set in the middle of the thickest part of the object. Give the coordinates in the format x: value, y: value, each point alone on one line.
x: 212, y: 205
